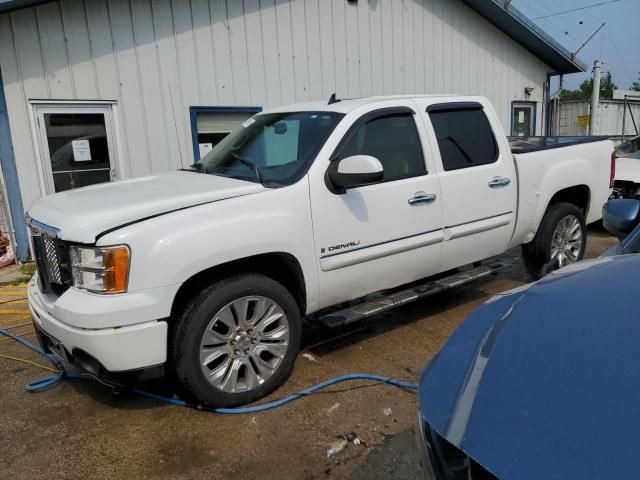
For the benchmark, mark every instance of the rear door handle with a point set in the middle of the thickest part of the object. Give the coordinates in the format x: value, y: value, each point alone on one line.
x: 422, y: 197
x: 496, y: 182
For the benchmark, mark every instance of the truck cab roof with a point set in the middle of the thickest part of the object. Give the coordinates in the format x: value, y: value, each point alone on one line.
x: 347, y: 105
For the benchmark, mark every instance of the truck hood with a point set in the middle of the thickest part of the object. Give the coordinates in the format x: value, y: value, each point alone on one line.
x: 543, y: 382
x: 83, y: 214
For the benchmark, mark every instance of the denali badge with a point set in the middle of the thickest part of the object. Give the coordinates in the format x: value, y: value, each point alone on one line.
x: 340, y: 246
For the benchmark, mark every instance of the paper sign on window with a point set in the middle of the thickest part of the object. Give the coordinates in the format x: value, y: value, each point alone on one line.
x: 205, y: 148
x: 81, y: 150
x: 521, y: 116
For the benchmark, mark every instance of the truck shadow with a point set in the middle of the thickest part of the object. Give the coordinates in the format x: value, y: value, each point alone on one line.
x: 322, y: 341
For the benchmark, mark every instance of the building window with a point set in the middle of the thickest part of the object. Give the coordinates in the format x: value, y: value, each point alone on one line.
x: 209, y: 125
x: 523, y: 119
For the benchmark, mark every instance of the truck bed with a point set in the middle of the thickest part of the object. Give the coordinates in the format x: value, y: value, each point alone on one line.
x: 535, y: 144
x: 544, y: 169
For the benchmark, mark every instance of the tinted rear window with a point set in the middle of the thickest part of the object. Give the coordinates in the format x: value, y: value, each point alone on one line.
x: 465, y: 138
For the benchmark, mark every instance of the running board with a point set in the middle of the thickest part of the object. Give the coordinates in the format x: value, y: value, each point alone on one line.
x: 384, y: 302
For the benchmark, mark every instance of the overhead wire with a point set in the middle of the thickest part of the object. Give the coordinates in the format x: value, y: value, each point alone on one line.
x: 576, y: 9
x: 620, y: 56
x: 562, y: 32
x: 574, y: 29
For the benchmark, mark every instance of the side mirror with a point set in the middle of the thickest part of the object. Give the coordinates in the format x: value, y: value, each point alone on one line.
x: 620, y: 216
x: 355, y: 171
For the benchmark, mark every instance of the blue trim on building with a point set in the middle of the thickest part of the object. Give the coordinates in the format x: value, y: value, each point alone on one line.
x: 193, y: 111
x: 12, y: 187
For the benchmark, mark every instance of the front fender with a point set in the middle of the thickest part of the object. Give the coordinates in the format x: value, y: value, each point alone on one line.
x: 171, y: 248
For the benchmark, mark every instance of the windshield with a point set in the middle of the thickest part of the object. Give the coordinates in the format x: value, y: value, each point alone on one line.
x: 274, y: 149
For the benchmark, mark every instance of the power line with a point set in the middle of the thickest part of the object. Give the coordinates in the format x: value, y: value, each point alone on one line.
x: 576, y: 9
x: 620, y: 56
x: 551, y: 23
x: 574, y: 24
x: 565, y: 34
x: 605, y: 34
x: 595, y: 20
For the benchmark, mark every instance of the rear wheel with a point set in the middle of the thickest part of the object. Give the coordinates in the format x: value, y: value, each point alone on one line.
x: 561, y: 239
x: 237, y: 340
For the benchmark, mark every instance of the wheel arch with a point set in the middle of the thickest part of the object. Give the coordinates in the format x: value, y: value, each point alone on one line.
x: 578, y: 195
x: 282, y: 267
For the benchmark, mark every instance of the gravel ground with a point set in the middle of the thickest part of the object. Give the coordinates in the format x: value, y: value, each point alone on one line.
x: 84, y: 430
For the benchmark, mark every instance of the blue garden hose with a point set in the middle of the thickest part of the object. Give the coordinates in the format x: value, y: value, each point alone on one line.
x: 49, y: 381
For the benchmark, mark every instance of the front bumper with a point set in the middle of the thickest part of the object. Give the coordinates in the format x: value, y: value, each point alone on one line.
x: 116, y: 349
x: 440, y: 459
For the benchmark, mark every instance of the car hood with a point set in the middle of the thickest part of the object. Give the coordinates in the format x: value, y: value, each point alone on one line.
x: 83, y: 214
x: 545, y: 382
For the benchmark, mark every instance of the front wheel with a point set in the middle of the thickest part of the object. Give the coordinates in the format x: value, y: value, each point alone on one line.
x: 561, y: 239
x: 237, y: 340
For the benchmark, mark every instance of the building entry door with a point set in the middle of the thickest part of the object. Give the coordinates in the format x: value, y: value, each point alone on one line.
x: 77, y: 145
x: 523, y: 119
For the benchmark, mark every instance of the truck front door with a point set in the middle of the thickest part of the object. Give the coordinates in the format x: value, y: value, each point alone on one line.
x: 478, y: 180
x: 386, y: 234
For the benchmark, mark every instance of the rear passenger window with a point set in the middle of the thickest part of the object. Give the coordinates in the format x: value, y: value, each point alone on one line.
x: 392, y: 139
x: 465, y: 138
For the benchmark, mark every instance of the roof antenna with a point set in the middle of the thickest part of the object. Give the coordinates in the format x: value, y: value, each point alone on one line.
x: 175, y: 124
x: 333, y: 99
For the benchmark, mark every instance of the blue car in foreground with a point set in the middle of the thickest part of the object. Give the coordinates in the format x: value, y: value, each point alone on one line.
x: 543, y: 381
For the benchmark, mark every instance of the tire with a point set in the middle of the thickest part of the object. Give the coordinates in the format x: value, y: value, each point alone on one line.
x: 238, y: 361
x: 538, y: 256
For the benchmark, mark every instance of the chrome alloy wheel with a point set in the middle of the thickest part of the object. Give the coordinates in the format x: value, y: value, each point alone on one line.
x: 244, y: 344
x: 566, y: 243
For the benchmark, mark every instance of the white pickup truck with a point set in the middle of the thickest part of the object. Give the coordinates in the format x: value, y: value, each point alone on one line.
x: 330, y: 212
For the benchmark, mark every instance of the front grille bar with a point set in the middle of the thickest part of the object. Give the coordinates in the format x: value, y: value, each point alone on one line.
x: 51, y: 254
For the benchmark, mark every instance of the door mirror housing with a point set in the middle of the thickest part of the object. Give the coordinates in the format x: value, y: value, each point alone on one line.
x: 620, y: 216
x: 355, y: 171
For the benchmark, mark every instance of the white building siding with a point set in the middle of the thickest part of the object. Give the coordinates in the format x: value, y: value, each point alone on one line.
x: 156, y: 58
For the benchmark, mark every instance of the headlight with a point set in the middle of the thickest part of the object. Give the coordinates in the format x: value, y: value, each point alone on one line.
x: 100, y: 269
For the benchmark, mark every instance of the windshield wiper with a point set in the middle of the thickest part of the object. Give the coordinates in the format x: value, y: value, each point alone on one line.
x: 249, y: 164
x: 198, y: 167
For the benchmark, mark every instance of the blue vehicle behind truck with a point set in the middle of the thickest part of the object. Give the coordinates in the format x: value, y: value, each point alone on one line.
x: 543, y: 381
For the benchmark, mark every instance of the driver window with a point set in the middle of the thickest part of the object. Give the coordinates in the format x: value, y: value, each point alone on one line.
x: 392, y: 139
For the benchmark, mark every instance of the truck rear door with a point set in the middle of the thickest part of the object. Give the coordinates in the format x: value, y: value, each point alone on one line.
x: 477, y: 178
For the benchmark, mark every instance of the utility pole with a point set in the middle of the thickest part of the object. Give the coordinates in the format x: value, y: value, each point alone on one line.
x: 556, y: 108
x: 595, y: 97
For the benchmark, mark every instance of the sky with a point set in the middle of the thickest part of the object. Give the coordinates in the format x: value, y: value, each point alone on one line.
x: 617, y: 44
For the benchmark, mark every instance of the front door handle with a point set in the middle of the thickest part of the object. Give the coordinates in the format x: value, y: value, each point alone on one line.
x: 496, y: 182
x: 422, y: 197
